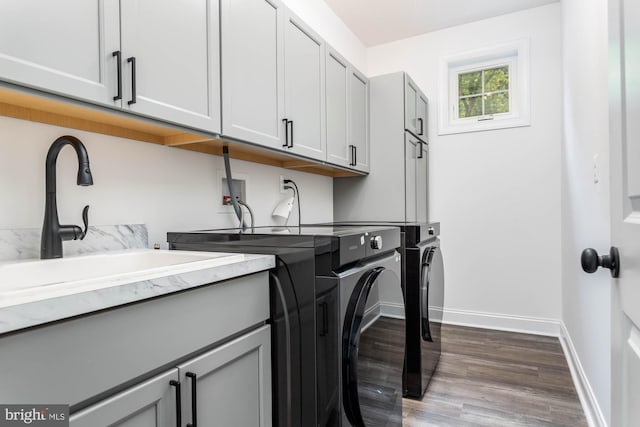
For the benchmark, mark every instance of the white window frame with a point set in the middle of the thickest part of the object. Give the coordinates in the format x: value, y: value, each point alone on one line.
x: 516, y: 56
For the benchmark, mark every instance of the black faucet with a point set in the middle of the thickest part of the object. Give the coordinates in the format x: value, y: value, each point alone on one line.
x: 52, y: 232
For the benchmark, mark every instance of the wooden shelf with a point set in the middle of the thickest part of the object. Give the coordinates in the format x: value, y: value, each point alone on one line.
x: 76, y: 115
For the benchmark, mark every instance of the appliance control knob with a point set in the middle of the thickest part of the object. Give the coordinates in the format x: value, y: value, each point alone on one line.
x: 376, y: 242
x: 431, y: 231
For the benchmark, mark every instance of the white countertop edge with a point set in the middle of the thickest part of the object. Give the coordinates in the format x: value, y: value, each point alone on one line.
x: 38, y: 312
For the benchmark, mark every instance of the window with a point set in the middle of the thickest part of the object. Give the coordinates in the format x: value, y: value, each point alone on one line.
x: 485, y: 89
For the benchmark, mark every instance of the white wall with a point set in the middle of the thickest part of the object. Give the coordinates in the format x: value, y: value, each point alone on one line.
x: 166, y: 188
x: 319, y: 16
x: 496, y: 193
x: 585, y: 205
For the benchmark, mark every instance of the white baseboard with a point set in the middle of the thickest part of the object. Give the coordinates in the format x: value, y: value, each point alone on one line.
x: 502, y: 322
x: 393, y: 310
x: 592, y: 410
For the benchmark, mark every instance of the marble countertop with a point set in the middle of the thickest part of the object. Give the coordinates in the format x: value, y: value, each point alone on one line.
x: 24, y: 306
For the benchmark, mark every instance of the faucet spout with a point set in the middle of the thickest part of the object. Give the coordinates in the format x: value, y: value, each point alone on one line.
x: 52, y: 232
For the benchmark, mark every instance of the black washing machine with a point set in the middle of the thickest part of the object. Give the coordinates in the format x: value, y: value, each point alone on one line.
x: 336, y: 360
x: 423, y: 288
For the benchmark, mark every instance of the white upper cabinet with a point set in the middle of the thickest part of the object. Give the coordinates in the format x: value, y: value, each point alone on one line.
x: 415, y: 109
x: 359, y: 120
x: 96, y: 51
x: 177, y: 62
x: 272, y: 78
x: 304, y: 80
x: 62, y: 46
x: 422, y: 107
x: 337, y: 83
x: 252, y: 78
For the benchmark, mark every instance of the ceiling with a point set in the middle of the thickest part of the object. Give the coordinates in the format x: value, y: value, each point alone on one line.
x: 381, y: 21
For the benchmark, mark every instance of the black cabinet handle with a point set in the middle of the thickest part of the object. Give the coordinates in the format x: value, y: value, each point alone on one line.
x: 421, y: 126
x: 176, y: 384
x: 118, y: 56
x: 353, y: 155
x: 132, y: 60
x: 286, y: 132
x: 194, y: 400
x: 421, y: 155
x: 291, y: 133
x: 324, y: 307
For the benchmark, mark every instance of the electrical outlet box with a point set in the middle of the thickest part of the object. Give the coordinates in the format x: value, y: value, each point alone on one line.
x: 239, y: 189
x: 283, y: 190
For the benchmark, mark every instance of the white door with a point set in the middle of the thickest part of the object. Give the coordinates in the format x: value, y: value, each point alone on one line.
x: 63, y: 46
x: 625, y: 208
x: 304, y: 88
x: 177, y: 60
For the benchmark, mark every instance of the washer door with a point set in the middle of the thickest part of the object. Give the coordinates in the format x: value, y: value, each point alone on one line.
x: 372, y: 357
x: 431, y: 294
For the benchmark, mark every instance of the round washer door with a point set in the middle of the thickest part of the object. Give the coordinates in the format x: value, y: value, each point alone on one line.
x: 431, y: 293
x: 372, y: 357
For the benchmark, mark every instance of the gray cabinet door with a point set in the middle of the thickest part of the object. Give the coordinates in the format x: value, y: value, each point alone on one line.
x: 149, y: 404
x: 410, y: 105
x: 421, y: 116
x: 232, y: 383
x: 177, y: 60
x: 337, y: 81
x: 422, y: 184
x: 359, y: 119
x: 252, y: 78
x: 304, y: 88
x: 411, y: 153
x: 63, y: 47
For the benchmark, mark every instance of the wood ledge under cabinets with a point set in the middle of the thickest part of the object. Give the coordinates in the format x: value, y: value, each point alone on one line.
x: 72, y: 114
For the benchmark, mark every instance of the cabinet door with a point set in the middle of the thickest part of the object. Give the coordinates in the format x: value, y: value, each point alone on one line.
x: 410, y: 105
x: 252, y: 78
x: 337, y: 80
x: 64, y: 47
x: 422, y: 184
x: 304, y: 88
x: 411, y: 152
x: 175, y: 46
x: 150, y: 404
x: 359, y: 119
x: 232, y: 383
x: 421, y: 114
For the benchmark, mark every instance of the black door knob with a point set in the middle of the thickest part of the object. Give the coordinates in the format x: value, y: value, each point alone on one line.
x: 590, y: 261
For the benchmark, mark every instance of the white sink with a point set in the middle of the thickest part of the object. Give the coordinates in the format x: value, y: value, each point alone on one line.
x: 101, y: 270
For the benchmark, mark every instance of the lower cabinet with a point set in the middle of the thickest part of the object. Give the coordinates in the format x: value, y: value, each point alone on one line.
x: 226, y: 386
x: 149, y: 404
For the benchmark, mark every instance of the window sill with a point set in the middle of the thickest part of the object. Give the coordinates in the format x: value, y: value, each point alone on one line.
x: 483, y: 125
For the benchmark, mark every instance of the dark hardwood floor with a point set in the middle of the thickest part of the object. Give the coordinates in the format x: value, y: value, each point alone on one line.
x: 495, y: 378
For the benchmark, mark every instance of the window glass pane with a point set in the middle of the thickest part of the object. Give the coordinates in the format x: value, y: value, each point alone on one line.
x: 496, y: 103
x: 470, y: 107
x: 496, y: 79
x: 470, y: 83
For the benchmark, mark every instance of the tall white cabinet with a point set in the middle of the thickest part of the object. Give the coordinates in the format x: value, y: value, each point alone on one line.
x: 396, y: 188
